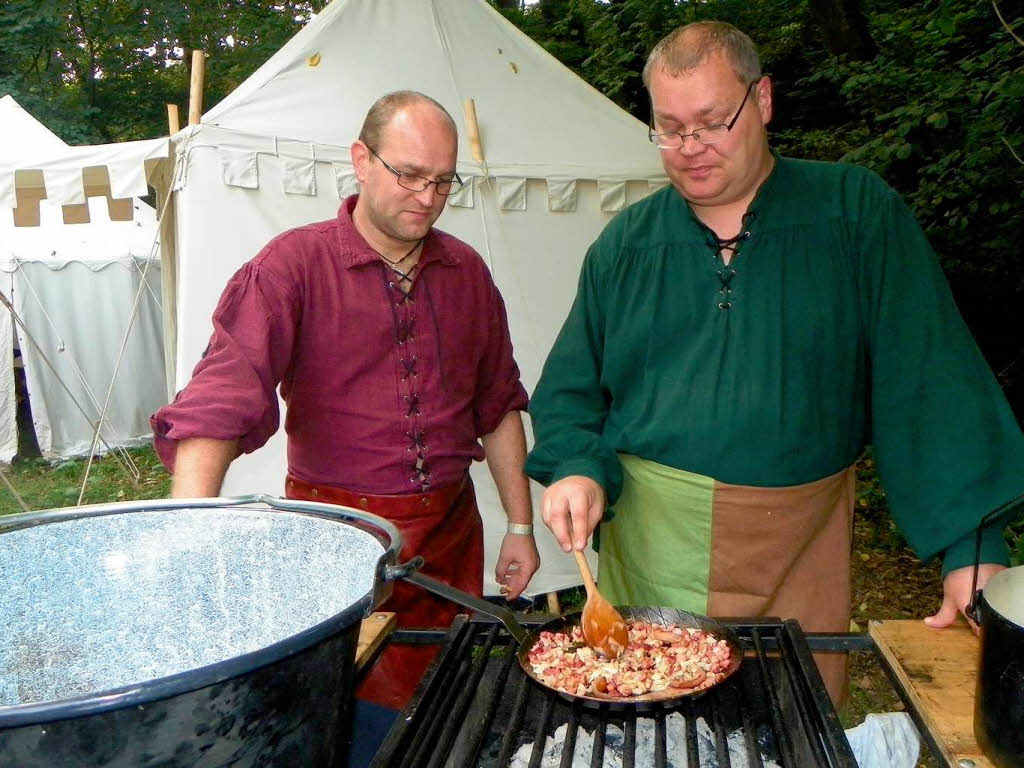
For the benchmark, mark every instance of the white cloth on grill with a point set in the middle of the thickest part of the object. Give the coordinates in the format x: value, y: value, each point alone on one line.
x: 886, y: 740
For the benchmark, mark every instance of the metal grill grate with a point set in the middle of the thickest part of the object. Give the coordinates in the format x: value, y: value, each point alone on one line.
x: 477, y: 709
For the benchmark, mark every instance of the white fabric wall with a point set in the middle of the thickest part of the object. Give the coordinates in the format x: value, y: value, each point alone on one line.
x: 78, y: 314
x: 534, y: 255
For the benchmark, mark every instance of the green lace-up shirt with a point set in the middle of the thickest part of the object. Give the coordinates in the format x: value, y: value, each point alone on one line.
x: 831, y: 327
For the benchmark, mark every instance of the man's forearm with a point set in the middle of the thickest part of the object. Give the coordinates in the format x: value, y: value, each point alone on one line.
x: 199, y: 466
x: 506, y: 453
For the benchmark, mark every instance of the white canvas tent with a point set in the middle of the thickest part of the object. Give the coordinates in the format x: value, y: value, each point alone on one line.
x: 74, y: 286
x: 559, y: 160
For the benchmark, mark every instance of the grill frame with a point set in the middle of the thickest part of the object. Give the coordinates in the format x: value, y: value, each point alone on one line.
x: 456, y: 704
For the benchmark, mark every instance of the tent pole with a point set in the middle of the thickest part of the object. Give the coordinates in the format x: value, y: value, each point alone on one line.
x: 17, y: 496
x: 473, y: 131
x: 173, y: 120
x: 553, y: 607
x: 195, y: 97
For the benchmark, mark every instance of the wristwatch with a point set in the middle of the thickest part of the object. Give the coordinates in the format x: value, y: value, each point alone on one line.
x: 521, y: 529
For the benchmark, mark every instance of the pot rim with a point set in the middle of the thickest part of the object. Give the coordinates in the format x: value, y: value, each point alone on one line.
x: 139, y: 694
x: 1004, y: 595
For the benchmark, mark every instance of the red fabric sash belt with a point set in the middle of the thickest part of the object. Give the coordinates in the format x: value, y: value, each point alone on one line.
x: 444, y: 527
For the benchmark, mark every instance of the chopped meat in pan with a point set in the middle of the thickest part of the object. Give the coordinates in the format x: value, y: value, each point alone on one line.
x: 659, y: 657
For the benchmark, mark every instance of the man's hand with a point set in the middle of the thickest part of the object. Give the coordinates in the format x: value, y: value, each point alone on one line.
x: 518, y: 560
x: 956, y: 593
x: 576, y: 499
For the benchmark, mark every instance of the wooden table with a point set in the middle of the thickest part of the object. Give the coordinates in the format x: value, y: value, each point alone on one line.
x: 372, y: 632
x: 938, y: 670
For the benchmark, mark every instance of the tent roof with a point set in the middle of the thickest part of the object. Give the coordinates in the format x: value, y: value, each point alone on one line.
x: 99, y: 241
x: 23, y: 134
x: 34, y: 160
x: 318, y: 87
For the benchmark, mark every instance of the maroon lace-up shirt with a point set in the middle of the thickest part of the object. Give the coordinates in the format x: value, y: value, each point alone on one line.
x: 387, y: 392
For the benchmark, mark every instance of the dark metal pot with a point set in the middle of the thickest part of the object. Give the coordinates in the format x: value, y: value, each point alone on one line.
x: 998, y: 609
x: 999, y: 698
x: 206, y: 632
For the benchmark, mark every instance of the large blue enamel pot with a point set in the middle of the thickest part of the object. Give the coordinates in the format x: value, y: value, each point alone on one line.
x: 206, y: 632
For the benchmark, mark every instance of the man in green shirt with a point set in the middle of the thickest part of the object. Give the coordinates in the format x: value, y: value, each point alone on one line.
x: 736, y: 339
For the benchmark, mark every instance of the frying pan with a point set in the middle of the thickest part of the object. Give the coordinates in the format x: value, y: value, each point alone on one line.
x: 565, y: 623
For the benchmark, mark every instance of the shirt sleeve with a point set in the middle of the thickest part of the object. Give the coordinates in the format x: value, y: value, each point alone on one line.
x: 232, y: 393
x: 499, y: 389
x: 570, y: 406
x: 948, y: 446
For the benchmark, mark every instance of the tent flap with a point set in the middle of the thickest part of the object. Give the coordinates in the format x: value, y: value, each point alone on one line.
x: 463, y: 198
x: 298, y: 176
x: 562, y: 194
x: 239, y: 168
x: 64, y: 185
x: 345, y: 180
x: 512, y: 194
x: 127, y: 179
x: 613, y: 195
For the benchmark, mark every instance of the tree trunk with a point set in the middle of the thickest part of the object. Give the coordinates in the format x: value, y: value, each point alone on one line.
x: 844, y: 28
x: 508, y: 5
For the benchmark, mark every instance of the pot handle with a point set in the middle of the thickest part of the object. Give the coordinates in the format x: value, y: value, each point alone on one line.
x: 410, y: 572
x: 972, y: 607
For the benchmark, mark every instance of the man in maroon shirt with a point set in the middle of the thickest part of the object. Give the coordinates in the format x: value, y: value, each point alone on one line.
x: 390, y: 344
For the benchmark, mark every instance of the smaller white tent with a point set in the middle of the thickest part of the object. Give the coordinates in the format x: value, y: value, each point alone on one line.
x: 76, y: 253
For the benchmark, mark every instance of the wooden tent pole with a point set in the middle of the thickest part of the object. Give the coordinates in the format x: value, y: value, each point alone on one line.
x: 195, y: 97
x: 173, y: 120
x: 473, y: 131
x: 553, y: 607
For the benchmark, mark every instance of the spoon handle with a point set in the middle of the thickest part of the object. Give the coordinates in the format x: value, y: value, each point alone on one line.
x: 588, y: 577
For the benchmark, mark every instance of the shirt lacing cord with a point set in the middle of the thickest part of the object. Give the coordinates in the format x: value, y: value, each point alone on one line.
x: 403, y: 330
x: 731, y: 244
x: 419, y: 471
x: 413, y: 403
x: 417, y: 441
x: 420, y: 477
x: 408, y: 367
x: 402, y: 314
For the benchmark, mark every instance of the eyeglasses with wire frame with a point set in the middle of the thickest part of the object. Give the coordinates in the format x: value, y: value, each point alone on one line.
x: 444, y: 187
x: 707, y: 135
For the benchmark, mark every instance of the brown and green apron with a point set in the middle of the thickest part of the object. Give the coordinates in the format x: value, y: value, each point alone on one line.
x: 682, y: 540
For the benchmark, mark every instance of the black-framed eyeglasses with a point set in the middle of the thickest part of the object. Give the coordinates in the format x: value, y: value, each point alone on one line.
x: 444, y: 187
x: 707, y: 135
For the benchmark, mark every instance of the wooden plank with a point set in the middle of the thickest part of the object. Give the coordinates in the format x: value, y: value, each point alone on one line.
x: 938, y: 669
x: 372, y: 632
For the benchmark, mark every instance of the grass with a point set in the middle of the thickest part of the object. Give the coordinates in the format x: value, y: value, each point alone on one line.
x: 46, y: 486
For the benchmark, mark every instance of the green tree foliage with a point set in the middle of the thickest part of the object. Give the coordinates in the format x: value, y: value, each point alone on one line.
x: 930, y: 94
x: 103, y: 70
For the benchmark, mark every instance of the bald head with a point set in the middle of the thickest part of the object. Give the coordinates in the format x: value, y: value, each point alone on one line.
x: 686, y: 48
x: 389, y: 105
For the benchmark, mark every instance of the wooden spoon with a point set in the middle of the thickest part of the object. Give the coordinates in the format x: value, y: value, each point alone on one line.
x: 603, y: 627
